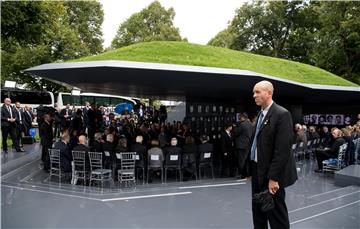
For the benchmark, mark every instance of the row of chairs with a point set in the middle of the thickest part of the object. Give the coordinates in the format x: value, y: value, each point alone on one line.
x: 130, y: 163
x: 97, y: 171
x: 301, y: 151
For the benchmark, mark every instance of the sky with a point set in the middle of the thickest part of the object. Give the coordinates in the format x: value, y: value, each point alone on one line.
x: 198, y: 20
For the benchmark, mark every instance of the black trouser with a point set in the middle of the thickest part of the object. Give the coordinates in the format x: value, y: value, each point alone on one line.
x: 241, y: 155
x: 6, y: 130
x: 57, y: 130
x: 322, y: 155
x: 19, y: 130
x: 45, y: 156
x: 228, y: 164
x: 278, y: 217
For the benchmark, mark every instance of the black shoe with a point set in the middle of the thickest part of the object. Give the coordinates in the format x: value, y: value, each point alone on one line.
x: 5, y: 152
x: 318, y: 171
x: 20, y: 150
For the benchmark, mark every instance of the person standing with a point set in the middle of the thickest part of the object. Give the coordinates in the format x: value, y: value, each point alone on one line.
x: 242, y: 136
x: 46, y: 135
x: 20, y: 122
x: 28, y: 119
x: 8, y: 125
x: 270, y: 163
x: 227, y: 151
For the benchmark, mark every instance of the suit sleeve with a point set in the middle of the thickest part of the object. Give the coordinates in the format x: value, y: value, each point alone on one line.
x: 282, y: 148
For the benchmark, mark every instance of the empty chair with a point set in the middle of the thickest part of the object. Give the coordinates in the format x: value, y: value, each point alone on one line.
x: 126, y: 173
x: 55, y: 166
x: 300, y: 151
x: 79, y: 168
x: 97, y: 172
x: 206, y: 161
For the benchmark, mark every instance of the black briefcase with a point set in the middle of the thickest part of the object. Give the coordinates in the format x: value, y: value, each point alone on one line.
x: 27, y: 140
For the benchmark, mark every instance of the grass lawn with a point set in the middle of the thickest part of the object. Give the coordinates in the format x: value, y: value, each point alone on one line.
x: 201, y: 55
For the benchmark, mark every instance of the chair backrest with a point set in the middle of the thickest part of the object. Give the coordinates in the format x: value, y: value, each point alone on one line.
x: 79, y: 160
x: 95, y: 160
x: 155, y: 160
x: 54, y: 158
x: 173, y: 159
x: 127, y: 160
x: 341, y: 155
x: 205, y: 157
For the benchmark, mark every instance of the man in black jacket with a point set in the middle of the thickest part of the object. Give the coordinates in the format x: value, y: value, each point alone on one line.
x: 28, y: 118
x: 8, y: 125
x: 227, y: 151
x: 242, y: 136
x: 332, y: 152
x: 271, y: 163
x: 65, y: 153
x: 46, y: 136
x: 83, y: 146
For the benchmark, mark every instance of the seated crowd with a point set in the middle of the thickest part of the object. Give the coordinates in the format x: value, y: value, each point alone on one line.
x: 90, y: 130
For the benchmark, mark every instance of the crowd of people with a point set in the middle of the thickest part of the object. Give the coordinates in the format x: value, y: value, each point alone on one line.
x: 91, y: 128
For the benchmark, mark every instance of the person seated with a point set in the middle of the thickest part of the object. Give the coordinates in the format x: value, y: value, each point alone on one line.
x: 83, y: 146
x: 173, y: 149
x: 98, y: 143
x: 205, y: 146
x: 189, y: 156
x: 139, y: 148
x: 300, y: 135
x: 108, y: 146
x: 332, y: 152
x: 65, y: 153
x: 122, y: 145
x: 155, y: 152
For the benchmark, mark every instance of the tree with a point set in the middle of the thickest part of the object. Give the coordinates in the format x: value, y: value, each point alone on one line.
x: 38, y: 32
x: 153, y: 23
x: 224, y: 38
x: 338, y: 46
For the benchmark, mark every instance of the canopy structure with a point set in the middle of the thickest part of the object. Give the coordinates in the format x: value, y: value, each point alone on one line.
x: 178, y: 82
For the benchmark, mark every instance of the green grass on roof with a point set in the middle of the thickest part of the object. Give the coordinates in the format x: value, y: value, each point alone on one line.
x: 201, y: 55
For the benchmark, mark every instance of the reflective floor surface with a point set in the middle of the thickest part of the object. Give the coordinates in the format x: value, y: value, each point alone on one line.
x: 30, y: 200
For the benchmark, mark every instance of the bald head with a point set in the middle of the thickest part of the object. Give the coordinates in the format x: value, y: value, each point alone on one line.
x: 82, y: 140
x: 7, y: 101
x: 263, y: 92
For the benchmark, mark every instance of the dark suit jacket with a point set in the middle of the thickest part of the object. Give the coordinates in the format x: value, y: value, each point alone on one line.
x: 205, y: 148
x: 274, y: 158
x: 27, y: 119
x: 46, y: 134
x: 334, y: 149
x: 5, y: 115
x: 65, y: 121
x: 226, y: 143
x: 242, y: 135
x: 65, y: 155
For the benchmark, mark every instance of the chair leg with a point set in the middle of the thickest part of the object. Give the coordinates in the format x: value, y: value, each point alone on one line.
x: 147, y: 177
x: 165, y: 175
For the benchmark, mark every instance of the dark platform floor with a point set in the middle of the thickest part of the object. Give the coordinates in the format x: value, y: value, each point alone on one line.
x: 29, y: 200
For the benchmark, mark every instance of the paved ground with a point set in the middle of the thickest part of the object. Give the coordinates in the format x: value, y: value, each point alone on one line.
x: 30, y: 200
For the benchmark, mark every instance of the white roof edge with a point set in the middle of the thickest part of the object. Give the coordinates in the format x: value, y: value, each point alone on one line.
x: 185, y: 68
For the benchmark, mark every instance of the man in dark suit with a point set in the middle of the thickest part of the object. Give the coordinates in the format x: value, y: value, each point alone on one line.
x: 332, y: 152
x: 46, y: 135
x: 19, y: 122
x: 271, y: 163
x: 65, y: 153
x: 227, y: 151
x: 83, y: 146
x: 28, y: 118
x: 66, y: 116
x: 242, y: 136
x: 8, y: 125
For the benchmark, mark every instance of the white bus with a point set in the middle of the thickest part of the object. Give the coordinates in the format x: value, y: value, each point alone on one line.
x: 27, y: 97
x: 108, y: 101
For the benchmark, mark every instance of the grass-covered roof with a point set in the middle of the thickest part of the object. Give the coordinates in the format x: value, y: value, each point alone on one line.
x: 201, y: 55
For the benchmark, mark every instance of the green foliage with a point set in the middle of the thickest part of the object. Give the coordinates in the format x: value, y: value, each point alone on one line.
x: 320, y: 33
x: 200, y: 55
x: 153, y: 23
x: 38, y: 32
x: 338, y: 49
